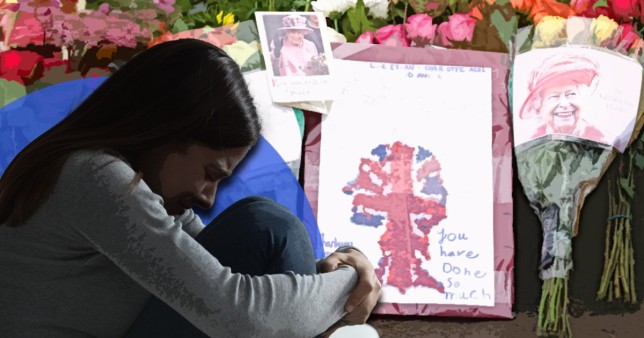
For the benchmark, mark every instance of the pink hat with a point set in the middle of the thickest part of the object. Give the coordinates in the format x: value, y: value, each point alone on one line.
x: 555, y: 70
x: 294, y: 22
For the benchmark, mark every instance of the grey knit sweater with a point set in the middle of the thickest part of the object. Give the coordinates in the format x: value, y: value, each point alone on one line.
x: 87, y: 261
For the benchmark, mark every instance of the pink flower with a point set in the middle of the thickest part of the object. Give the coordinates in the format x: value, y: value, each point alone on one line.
x: 392, y: 35
x: 104, y: 8
x: 460, y: 27
x: 420, y: 29
x: 366, y: 38
x: 165, y: 5
x: 628, y: 36
x: 624, y: 9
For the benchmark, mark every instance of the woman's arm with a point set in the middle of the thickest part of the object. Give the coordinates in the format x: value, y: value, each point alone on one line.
x: 134, y: 231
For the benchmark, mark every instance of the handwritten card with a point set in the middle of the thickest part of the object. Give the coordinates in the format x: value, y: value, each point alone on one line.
x: 576, y: 92
x: 406, y: 176
x: 298, y: 57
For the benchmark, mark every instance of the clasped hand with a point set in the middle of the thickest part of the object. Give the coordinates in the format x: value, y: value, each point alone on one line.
x: 365, y: 295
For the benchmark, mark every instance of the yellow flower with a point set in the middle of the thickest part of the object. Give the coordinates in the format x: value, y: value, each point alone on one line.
x: 549, y: 31
x: 225, y: 20
x: 603, y: 28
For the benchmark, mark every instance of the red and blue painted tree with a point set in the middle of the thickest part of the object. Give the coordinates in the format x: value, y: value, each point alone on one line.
x: 400, y: 186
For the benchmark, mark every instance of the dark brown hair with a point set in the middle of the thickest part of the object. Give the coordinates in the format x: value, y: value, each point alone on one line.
x: 176, y: 91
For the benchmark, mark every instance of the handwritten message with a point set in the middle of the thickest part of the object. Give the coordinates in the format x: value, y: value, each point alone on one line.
x: 462, y: 267
x: 293, y: 89
x: 394, y: 182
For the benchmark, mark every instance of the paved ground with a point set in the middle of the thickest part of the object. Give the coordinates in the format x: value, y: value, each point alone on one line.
x: 524, y: 325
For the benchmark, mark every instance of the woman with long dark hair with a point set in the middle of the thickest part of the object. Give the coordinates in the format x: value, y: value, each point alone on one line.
x: 96, y: 219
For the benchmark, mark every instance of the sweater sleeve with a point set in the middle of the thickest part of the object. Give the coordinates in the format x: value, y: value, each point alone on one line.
x: 130, y: 226
x: 190, y: 223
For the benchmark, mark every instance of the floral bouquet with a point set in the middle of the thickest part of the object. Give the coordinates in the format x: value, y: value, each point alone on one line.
x: 561, y: 160
x: 486, y: 25
x: 317, y: 66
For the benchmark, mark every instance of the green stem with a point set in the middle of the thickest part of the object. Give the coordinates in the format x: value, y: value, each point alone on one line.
x: 618, y: 277
x: 601, y: 293
x: 335, y: 24
x: 631, y: 264
x: 307, y: 6
x: 404, y: 13
x: 553, y: 318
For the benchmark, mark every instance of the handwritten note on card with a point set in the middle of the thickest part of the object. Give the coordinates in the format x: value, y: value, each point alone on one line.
x: 406, y: 176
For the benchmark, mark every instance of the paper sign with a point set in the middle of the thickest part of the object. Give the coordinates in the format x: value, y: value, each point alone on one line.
x: 279, y: 124
x: 406, y: 177
x: 297, y: 56
x: 576, y: 92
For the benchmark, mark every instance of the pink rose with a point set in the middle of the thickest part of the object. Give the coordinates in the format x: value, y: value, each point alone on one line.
x: 628, y: 36
x: 165, y: 5
x: 104, y: 8
x: 366, y: 38
x: 624, y: 9
x: 460, y: 27
x: 420, y: 29
x: 392, y: 35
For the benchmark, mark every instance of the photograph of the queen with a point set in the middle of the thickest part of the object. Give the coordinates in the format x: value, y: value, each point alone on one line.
x: 575, y: 93
x: 295, y: 45
x: 559, y: 88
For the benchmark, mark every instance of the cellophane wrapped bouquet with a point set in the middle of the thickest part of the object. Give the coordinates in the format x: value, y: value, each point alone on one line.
x: 559, y: 165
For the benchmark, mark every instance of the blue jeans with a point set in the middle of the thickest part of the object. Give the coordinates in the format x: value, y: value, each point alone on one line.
x: 254, y: 236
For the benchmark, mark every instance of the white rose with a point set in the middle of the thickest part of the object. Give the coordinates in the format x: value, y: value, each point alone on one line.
x: 377, y: 8
x: 332, y: 36
x: 337, y: 7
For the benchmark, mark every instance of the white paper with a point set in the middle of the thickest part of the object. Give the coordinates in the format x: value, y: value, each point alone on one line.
x: 446, y: 111
x: 279, y: 125
x: 600, y: 107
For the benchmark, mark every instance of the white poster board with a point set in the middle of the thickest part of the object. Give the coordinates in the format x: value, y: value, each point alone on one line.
x: 406, y: 177
x: 575, y: 91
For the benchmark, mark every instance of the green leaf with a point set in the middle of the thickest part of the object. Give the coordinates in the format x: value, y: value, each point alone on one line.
x: 399, y: 12
x: 358, y: 22
x: 639, y: 161
x: 11, y: 91
x: 600, y: 3
x: 179, y: 26
x: 505, y: 28
x: 183, y: 6
x: 626, y: 185
x: 299, y: 4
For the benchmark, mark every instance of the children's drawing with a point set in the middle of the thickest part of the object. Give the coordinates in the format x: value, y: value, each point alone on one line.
x: 400, y: 187
x: 389, y: 167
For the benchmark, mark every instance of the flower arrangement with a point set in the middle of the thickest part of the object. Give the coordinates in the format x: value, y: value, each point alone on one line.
x: 479, y: 24
x: 558, y: 174
x: 317, y: 66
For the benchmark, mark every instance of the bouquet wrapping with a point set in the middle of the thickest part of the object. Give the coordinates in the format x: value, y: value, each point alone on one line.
x: 570, y: 121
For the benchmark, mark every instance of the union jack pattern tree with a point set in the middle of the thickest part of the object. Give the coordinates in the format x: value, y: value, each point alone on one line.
x: 400, y: 186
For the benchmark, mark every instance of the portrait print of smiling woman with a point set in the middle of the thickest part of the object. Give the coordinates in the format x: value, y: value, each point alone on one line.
x: 558, y: 90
